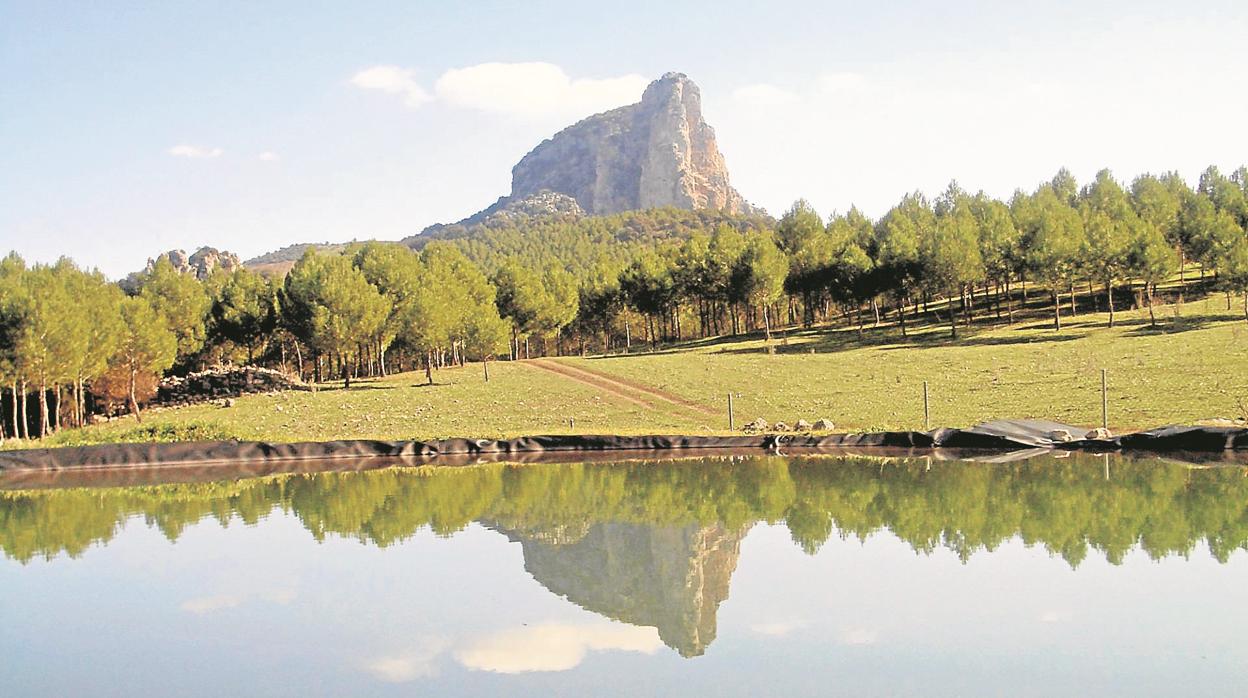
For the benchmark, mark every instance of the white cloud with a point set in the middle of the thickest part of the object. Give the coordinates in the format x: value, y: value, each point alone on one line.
x: 529, y: 90
x: 269, y: 156
x: 394, y: 80
x: 553, y: 647
x: 840, y: 82
x: 764, y: 95
x: 184, y: 150
x: 534, y: 89
x: 406, y: 666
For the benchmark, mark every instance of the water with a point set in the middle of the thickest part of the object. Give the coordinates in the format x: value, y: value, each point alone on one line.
x: 812, y: 576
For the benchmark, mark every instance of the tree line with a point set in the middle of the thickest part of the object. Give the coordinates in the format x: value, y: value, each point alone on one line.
x: 1070, y: 506
x: 72, y: 343
x: 944, y: 256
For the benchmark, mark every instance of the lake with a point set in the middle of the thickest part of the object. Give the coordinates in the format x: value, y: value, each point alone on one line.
x: 816, y: 575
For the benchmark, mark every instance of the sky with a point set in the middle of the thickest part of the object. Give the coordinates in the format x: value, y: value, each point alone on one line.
x: 131, y: 128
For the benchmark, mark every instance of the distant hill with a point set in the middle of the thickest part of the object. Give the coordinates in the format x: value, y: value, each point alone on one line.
x: 580, y: 244
x: 292, y: 253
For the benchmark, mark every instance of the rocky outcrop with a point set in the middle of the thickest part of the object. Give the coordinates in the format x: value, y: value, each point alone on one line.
x: 658, y: 152
x: 202, y: 263
x: 546, y: 205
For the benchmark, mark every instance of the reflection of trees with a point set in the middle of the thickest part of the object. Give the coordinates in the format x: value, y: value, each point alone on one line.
x: 1065, y: 505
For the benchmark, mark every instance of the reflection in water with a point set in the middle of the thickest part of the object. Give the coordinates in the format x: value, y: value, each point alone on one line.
x: 655, y: 543
x: 553, y: 647
x: 669, y: 577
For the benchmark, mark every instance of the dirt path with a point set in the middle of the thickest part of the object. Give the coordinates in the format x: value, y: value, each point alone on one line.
x: 628, y: 390
x: 603, y: 387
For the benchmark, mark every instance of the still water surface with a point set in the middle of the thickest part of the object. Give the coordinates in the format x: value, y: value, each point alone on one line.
x: 762, y: 576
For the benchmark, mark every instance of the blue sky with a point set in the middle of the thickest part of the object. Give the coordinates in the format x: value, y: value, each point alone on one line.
x: 129, y: 128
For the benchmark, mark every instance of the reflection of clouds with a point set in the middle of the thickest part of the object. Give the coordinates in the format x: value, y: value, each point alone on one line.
x: 206, y: 604
x: 1054, y: 616
x: 778, y: 628
x: 409, y: 665
x: 859, y: 636
x: 201, y: 605
x: 553, y: 647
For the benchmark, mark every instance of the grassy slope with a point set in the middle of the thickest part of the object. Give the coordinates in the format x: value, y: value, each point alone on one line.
x: 1193, y: 367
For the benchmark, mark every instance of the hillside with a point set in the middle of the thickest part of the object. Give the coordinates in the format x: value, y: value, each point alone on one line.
x: 580, y: 244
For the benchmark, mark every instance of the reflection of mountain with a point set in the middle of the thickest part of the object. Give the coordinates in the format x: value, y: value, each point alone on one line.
x: 669, y: 577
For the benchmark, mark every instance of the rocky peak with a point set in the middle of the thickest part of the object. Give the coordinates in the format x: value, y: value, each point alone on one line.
x: 202, y: 263
x: 657, y: 152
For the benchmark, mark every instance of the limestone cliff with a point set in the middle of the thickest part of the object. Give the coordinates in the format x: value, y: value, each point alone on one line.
x: 658, y: 152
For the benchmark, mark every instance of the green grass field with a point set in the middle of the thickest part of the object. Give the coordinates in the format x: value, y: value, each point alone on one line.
x: 1193, y: 367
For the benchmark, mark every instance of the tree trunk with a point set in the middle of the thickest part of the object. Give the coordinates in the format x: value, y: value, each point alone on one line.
x: 134, y: 401
x: 1148, y: 292
x: 44, y: 426
x: 1009, y: 303
x: 1057, y: 310
x: 429, y: 367
x: 1109, y: 299
x: 953, y: 317
x: 25, y: 422
x: 875, y: 310
x: 17, y: 432
x: 767, y: 322
x: 56, y: 407
x: 901, y: 317
x: 485, y: 365
x: 1073, y: 310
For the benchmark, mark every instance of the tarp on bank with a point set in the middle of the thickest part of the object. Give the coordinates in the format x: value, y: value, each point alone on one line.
x: 1004, y: 436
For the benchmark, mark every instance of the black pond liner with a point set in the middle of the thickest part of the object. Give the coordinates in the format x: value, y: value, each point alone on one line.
x: 998, y: 441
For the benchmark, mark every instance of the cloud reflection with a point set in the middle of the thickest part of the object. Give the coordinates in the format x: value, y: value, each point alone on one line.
x: 778, y: 628
x: 201, y: 605
x: 553, y: 647
x: 410, y: 665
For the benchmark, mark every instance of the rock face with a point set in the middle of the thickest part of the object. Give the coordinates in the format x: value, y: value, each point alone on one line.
x: 658, y: 152
x: 202, y: 263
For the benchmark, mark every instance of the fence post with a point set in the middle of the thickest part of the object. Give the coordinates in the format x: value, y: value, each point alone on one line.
x: 1104, y: 400
x: 927, y: 413
x: 731, y: 424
